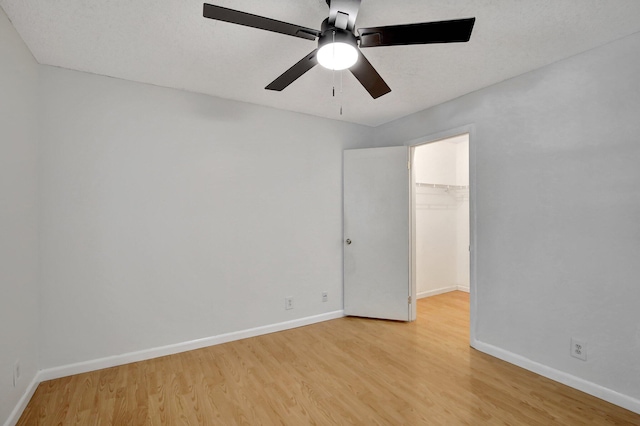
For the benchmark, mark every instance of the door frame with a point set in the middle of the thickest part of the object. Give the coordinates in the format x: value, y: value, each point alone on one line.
x: 473, y: 289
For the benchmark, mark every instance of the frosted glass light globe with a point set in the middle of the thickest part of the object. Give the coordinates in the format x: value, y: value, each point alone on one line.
x: 337, y: 56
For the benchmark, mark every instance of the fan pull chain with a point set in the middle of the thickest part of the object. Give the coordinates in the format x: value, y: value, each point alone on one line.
x: 333, y: 82
x: 341, y: 97
x: 333, y: 71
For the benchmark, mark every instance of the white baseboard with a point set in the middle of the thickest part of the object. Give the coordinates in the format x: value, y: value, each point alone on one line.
x: 435, y: 292
x: 463, y: 288
x: 585, y: 386
x: 112, y: 361
x: 24, y: 400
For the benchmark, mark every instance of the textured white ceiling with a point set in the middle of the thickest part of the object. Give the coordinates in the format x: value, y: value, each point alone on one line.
x: 169, y: 43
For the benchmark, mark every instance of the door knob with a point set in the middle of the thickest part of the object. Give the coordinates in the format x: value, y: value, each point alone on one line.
x: 348, y: 241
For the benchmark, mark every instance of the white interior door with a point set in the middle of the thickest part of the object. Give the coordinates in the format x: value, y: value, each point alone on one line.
x: 377, y: 235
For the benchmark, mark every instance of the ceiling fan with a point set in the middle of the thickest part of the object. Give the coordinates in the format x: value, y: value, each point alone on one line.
x: 338, y: 44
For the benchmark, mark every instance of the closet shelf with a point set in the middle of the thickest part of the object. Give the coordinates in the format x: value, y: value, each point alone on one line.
x: 441, y: 186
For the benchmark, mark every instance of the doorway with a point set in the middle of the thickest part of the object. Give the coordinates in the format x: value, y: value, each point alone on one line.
x: 379, y: 215
x: 441, y: 213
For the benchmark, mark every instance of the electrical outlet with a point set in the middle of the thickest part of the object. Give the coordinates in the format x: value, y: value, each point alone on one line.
x: 288, y: 302
x: 16, y: 373
x: 579, y: 349
x: 325, y: 296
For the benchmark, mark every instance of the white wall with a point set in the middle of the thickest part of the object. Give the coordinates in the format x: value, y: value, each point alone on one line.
x: 18, y: 215
x: 442, y: 236
x: 558, y: 202
x: 436, y: 163
x: 170, y: 216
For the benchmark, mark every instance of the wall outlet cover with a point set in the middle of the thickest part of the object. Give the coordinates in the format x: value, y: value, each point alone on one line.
x: 579, y: 349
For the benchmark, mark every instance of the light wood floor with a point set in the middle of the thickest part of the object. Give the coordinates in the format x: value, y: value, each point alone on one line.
x: 345, y: 371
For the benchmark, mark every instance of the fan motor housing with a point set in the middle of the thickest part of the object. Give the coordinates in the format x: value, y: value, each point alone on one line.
x: 331, y: 34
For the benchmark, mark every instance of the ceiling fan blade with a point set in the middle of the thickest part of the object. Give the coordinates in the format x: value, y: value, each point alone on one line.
x: 454, y: 31
x: 343, y: 13
x: 295, y: 72
x: 247, y: 19
x: 369, y: 77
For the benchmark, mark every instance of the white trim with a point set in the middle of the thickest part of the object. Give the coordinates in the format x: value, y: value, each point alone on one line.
x: 112, y: 361
x: 436, y: 292
x: 591, y: 388
x: 436, y: 137
x: 23, y: 401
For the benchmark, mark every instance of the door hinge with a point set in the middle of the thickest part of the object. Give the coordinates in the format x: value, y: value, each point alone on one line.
x: 408, y: 165
x: 409, y: 299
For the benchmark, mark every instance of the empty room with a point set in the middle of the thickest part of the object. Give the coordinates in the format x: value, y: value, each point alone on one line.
x: 210, y: 213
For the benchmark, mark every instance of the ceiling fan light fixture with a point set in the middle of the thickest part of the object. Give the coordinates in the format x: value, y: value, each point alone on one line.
x: 337, y: 49
x: 337, y: 56
x: 338, y: 45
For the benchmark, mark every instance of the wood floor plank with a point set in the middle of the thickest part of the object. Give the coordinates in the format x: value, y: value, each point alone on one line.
x: 345, y: 371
